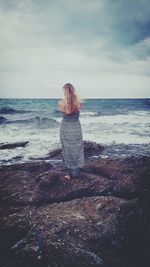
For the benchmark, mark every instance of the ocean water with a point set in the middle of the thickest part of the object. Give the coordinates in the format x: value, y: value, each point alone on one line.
x: 121, y: 125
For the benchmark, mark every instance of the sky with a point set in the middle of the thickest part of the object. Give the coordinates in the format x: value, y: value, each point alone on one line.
x: 102, y: 47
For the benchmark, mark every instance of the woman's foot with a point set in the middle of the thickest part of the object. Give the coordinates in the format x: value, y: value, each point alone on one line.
x: 67, y: 177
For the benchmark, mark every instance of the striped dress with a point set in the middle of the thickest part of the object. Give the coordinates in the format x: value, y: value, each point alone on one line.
x: 72, y: 142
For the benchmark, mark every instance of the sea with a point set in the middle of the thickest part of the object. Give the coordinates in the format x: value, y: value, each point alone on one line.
x: 122, y: 126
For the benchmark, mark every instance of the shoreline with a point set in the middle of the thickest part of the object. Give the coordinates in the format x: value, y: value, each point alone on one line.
x: 97, y: 150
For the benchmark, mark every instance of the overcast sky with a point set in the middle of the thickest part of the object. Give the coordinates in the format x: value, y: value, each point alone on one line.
x: 102, y: 47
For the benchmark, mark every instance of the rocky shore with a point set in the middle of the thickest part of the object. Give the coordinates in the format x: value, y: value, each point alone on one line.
x: 101, y: 218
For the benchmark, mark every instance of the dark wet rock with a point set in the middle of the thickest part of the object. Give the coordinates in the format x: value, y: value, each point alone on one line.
x: 13, y: 145
x: 100, y: 218
x: 23, y: 186
x: 92, y: 149
x: 12, y: 160
x: 84, y: 232
x: 52, y: 187
x: 55, y: 153
x: 130, y: 177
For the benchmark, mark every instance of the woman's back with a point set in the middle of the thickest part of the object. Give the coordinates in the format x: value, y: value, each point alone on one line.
x: 63, y: 107
x: 71, y: 117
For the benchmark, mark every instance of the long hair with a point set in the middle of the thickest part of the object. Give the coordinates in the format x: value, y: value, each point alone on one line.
x: 71, y: 99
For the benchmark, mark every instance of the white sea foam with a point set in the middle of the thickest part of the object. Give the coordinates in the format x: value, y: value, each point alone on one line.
x: 131, y: 128
x: 88, y: 114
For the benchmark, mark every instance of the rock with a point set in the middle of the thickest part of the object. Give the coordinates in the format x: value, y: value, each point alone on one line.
x: 92, y: 149
x: 129, y: 177
x: 55, y: 153
x: 13, y: 145
x: 100, y: 218
x: 53, y: 187
x: 23, y: 186
x: 83, y: 232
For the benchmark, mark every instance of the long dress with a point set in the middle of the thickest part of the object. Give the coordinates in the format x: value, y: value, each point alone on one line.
x: 72, y: 142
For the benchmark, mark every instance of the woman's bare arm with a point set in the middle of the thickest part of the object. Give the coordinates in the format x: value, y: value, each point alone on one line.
x: 61, y: 105
x: 80, y: 104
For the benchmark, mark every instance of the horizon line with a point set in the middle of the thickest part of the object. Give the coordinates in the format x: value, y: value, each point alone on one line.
x: 80, y: 98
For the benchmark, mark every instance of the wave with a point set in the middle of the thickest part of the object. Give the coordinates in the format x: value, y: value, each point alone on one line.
x: 103, y: 113
x: 2, y: 120
x: 94, y: 113
x: 7, y: 110
x: 36, y: 121
x: 57, y: 113
x: 44, y: 122
x: 83, y: 113
x: 89, y: 113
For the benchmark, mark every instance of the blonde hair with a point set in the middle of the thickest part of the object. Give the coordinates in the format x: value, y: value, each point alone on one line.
x: 72, y: 102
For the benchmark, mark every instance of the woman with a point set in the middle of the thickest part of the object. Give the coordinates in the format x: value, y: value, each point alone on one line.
x: 70, y: 132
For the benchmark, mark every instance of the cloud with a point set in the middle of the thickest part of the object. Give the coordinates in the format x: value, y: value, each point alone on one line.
x: 102, y: 47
